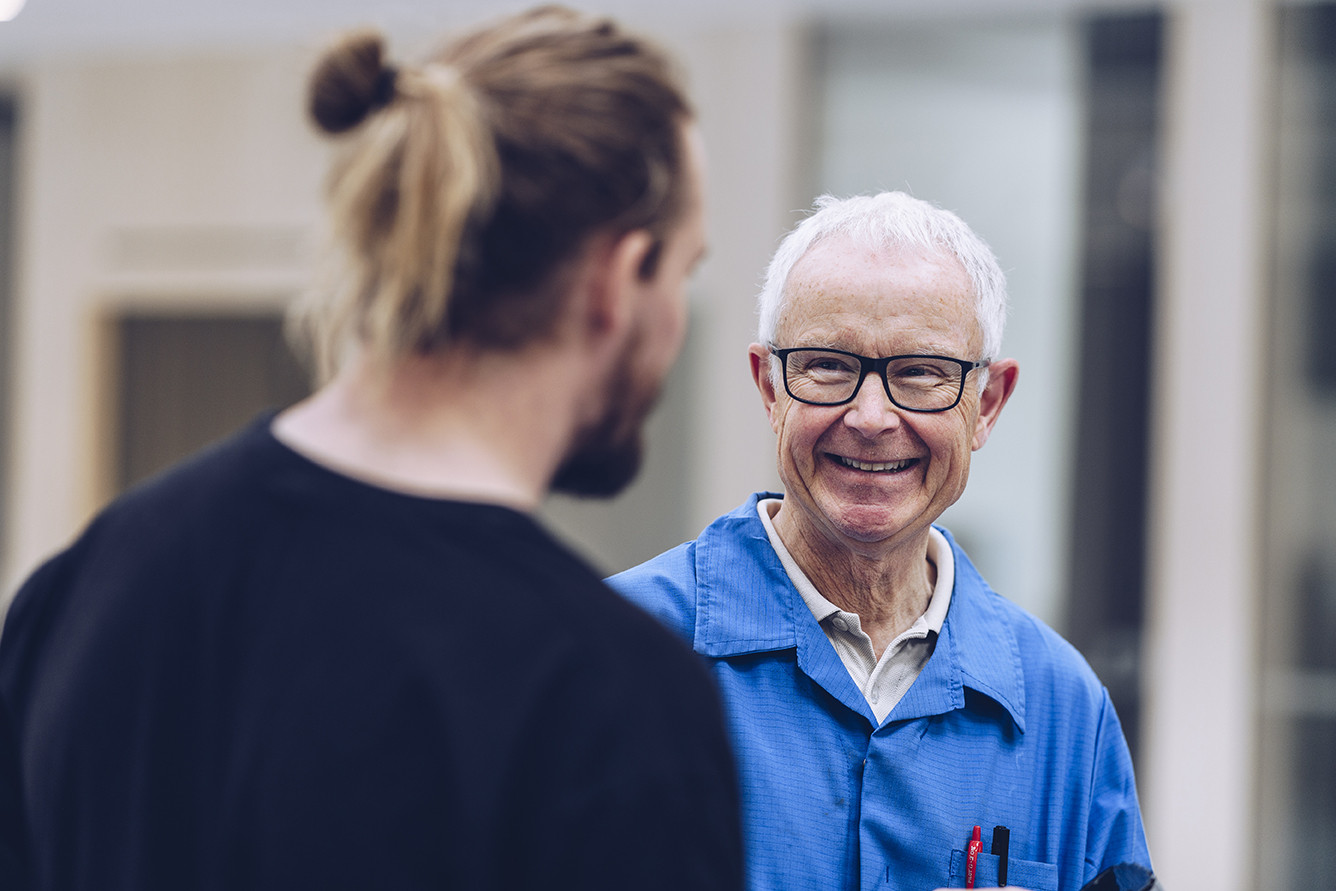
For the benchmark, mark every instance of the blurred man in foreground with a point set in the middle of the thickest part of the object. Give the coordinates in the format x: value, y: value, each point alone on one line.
x: 336, y: 651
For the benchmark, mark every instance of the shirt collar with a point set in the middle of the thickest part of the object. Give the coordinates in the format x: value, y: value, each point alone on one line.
x: 942, y: 557
x: 821, y: 608
x: 748, y: 604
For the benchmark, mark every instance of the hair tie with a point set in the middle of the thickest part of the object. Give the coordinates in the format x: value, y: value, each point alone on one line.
x: 382, y: 94
x: 442, y: 76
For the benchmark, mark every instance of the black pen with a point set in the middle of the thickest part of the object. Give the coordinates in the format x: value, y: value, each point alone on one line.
x: 1001, y: 845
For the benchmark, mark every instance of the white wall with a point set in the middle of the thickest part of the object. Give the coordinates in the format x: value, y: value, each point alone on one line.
x: 745, y: 79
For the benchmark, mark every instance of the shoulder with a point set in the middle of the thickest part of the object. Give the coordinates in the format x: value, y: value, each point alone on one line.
x: 1061, y: 688
x: 1000, y: 637
x: 205, y: 487
x: 664, y: 587
x: 144, y: 539
x: 669, y: 586
x: 628, y: 743
x: 1046, y: 654
x: 603, y: 669
x: 559, y: 606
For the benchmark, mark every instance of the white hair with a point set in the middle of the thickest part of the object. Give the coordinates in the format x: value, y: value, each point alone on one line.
x: 890, y: 219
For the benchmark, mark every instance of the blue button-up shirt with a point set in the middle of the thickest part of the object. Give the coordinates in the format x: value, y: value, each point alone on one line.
x: 1006, y: 726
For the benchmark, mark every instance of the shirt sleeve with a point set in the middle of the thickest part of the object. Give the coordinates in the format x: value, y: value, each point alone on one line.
x: 1115, y: 835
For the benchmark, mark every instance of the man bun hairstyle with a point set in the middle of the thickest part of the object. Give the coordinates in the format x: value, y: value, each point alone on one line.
x: 350, y: 82
x: 464, y: 187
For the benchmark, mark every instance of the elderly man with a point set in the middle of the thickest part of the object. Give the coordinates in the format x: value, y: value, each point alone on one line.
x: 884, y: 701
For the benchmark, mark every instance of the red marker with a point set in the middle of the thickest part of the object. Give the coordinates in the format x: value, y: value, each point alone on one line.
x: 972, y: 857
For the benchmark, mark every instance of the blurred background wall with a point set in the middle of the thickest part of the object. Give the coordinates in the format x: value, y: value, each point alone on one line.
x: 1158, y: 180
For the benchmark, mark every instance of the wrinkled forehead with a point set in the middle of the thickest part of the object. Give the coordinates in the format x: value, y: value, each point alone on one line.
x: 843, y: 271
x: 833, y: 253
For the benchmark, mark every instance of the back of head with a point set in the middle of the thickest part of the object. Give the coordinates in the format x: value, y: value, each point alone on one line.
x: 465, y: 186
x: 891, y: 220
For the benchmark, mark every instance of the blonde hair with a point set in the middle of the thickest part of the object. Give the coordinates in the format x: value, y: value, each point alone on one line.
x: 465, y: 185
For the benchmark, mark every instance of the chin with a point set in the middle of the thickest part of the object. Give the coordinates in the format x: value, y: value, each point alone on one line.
x: 867, y: 524
x: 599, y: 470
x: 607, y: 455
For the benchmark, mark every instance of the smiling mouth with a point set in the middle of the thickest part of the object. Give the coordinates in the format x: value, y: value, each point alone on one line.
x: 875, y: 467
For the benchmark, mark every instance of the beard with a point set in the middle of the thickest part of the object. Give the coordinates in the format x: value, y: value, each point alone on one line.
x: 600, y: 469
x: 607, y: 454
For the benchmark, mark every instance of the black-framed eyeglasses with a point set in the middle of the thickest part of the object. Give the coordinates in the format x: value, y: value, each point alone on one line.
x: 914, y: 383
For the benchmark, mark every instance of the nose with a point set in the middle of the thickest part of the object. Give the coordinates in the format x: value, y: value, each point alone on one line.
x: 871, y: 410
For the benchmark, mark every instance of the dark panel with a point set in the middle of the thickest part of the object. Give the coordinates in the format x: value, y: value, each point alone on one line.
x: 1106, y: 599
x: 187, y: 381
x: 1309, y: 39
x: 1312, y: 852
x: 8, y: 177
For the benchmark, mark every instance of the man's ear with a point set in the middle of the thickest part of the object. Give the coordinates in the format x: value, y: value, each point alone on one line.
x: 615, y: 281
x: 1002, y: 376
x: 759, y: 357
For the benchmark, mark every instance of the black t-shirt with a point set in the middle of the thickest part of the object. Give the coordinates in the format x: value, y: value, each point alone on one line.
x: 256, y: 673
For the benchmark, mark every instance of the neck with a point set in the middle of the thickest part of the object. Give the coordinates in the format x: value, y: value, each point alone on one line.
x: 889, y: 587
x: 470, y: 426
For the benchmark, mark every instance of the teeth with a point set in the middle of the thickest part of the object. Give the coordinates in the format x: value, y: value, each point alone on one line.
x: 875, y: 468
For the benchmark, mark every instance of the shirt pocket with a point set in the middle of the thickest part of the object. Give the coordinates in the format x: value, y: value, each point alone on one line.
x: 1031, y: 875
